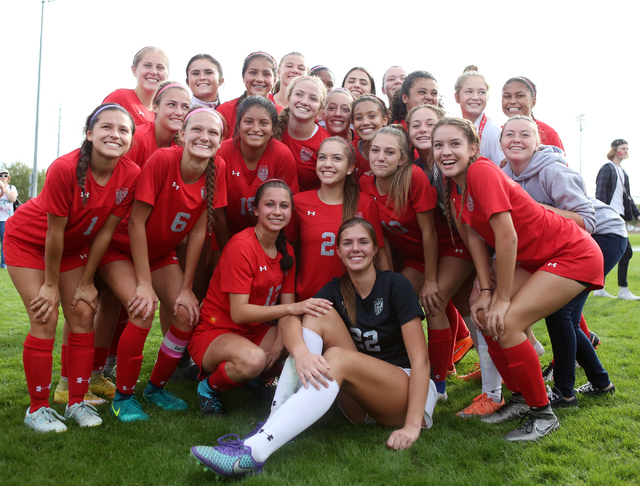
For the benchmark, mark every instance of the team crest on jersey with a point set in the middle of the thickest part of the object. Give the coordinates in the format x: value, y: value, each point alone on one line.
x: 378, y: 305
x: 263, y: 172
x: 306, y: 154
x: 120, y: 194
x: 358, y: 215
x: 470, y: 204
x: 203, y: 192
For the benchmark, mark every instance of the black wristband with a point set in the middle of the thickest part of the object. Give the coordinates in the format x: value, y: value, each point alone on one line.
x: 482, y: 290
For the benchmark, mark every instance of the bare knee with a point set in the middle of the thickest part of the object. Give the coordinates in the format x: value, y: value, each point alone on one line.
x: 80, y: 319
x: 251, y: 363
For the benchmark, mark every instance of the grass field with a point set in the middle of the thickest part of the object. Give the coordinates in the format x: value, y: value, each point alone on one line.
x: 598, y: 443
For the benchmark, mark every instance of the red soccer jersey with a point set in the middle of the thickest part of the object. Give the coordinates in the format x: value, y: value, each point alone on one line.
x: 543, y: 235
x: 244, y: 268
x: 61, y: 196
x: 242, y: 183
x: 176, y: 205
x: 128, y: 99
x: 230, y: 110
x: 305, y: 152
x: 548, y: 136
x: 144, y: 144
x: 316, y: 225
x: 402, y: 230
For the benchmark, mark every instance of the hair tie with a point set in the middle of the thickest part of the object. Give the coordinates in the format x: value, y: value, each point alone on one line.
x: 202, y: 110
x: 168, y: 86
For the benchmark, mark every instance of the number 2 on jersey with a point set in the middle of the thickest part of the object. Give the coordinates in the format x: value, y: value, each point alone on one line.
x: 370, y: 339
x: 326, y: 249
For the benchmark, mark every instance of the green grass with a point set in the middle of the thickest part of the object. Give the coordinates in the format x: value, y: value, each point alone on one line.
x: 598, y: 443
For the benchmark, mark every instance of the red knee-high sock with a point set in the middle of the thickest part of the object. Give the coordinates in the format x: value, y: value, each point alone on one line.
x: 454, y: 318
x: 584, y: 327
x: 63, y: 361
x: 500, y: 360
x: 173, y: 347
x: 525, y: 369
x: 79, y: 362
x: 37, y: 359
x: 440, y: 352
x: 123, y: 319
x: 100, y: 358
x: 130, y: 357
x: 219, y: 380
x: 461, y: 330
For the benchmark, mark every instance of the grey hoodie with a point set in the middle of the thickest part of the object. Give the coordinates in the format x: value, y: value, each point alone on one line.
x: 548, y: 180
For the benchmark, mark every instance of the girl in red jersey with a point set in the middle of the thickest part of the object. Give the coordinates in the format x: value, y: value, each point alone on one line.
x: 337, y: 113
x: 519, y: 98
x: 232, y: 341
x: 375, y: 362
x: 407, y: 205
x: 175, y: 186
x: 259, y: 73
x: 472, y: 93
x: 204, y: 77
x: 252, y: 157
x: 418, y: 88
x: 368, y: 115
x: 325, y: 74
x: 359, y: 81
x: 492, y: 210
x: 150, y: 67
x: 298, y: 130
x: 86, y: 194
x: 291, y: 66
x: 318, y: 215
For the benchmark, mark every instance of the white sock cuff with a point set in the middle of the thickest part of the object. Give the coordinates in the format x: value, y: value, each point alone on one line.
x: 313, y: 341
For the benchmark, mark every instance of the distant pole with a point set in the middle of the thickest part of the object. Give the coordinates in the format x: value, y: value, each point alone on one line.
x: 34, y: 176
x: 581, y: 121
x: 59, y: 127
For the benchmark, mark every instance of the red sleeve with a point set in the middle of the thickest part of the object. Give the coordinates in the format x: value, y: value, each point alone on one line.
x: 289, y: 284
x: 57, y: 194
x: 422, y: 194
x: 152, y: 178
x: 489, y: 187
x: 221, y: 184
x: 236, y: 267
x: 286, y: 169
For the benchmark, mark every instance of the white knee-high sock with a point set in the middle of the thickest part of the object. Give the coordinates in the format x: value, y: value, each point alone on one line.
x: 298, y: 413
x: 491, y: 379
x: 289, y: 382
x: 473, y: 331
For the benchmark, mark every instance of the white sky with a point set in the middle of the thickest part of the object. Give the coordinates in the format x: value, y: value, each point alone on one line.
x: 581, y: 56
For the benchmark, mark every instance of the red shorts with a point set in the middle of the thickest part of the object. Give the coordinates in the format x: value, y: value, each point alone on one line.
x: 113, y: 255
x: 459, y: 250
x: 204, y: 335
x: 20, y: 254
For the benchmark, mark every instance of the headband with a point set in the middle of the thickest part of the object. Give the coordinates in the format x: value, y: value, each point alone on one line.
x: 338, y: 137
x: 260, y: 53
x: 342, y: 90
x: 104, y: 107
x: 618, y: 142
x: 319, y: 67
x: 528, y: 83
x: 202, y: 110
x: 168, y: 86
x: 371, y: 96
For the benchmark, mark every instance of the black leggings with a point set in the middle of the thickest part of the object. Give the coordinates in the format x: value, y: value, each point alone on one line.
x: 623, y: 266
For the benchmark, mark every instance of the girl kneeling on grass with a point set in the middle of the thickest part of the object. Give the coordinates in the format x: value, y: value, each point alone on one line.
x: 232, y: 343
x: 375, y: 361
x: 492, y: 210
x: 86, y: 194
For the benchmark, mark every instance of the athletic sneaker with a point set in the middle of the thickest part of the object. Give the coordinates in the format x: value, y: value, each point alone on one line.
x: 45, y: 419
x: 441, y: 397
x: 590, y: 390
x: 128, y: 410
x: 210, y: 400
x: 84, y: 414
x: 165, y: 400
x: 595, y: 340
x: 557, y: 401
x: 61, y: 396
x: 474, y: 374
x: 462, y: 347
x: 189, y: 369
x: 110, y: 375
x: 514, y: 408
x: 482, y: 405
x: 452, y: 371
x: 540, y: 423
x: 625, y: 294
x: 228, y: 458
x: 602, y: 293
x: 102, y: 386
x: 547, y: 372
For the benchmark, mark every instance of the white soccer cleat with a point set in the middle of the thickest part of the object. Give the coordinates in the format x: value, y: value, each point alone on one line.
x: 45, y: 419
x: 84, y: 414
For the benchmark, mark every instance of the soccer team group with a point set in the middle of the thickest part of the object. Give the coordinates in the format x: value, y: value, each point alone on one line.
x: 314, y: 223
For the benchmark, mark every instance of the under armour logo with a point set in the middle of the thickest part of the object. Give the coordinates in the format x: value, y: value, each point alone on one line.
x: 269, y: 437
x: 83, y: 194
x: 176, y: 186
x: 459, y: 250
x: 82, y: 257
x: 311, y: 213
x: 125, y: 388
x: 234, y: 173
x: 162, y: 383
x: 80, y: 380
x: 140, y: 113
x: 41, y: 388
x: 175, y: 258
x: 263, y: 268
x: 554, y: 265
